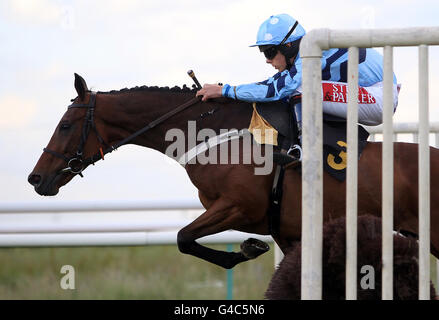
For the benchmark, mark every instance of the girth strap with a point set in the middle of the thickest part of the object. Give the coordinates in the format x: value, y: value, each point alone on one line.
x: 275, y: 202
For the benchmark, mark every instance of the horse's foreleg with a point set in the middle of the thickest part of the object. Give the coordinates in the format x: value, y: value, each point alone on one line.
x: 221, y: 216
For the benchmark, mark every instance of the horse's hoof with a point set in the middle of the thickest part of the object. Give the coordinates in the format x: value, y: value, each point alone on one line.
x: 253, y: 248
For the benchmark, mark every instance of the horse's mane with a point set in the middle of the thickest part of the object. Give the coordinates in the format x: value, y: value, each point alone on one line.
x: 184, y: 89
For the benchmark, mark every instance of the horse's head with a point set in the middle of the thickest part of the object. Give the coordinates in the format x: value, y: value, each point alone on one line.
x: 70, y: 148
x: 82, y: 132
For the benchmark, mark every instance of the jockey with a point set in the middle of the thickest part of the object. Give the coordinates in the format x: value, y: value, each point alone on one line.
x: 279, y: 39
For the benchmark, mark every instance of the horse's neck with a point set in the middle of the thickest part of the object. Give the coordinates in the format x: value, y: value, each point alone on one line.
x: 127, y: 113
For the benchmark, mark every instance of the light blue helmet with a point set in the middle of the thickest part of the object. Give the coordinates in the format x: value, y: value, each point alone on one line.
x: 273, y: 30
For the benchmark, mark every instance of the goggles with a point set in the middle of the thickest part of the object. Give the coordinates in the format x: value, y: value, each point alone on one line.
x: 271, y: 52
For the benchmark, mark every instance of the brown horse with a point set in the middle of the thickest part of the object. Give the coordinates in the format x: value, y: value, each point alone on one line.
x: 233, y: 195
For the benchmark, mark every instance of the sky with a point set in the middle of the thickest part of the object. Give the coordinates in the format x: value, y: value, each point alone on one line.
x: 117, y: 44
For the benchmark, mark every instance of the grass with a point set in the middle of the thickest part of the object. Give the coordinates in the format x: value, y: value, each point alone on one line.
x: 155, y: 272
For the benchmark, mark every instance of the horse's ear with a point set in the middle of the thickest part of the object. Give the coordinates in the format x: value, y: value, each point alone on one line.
x: 80, y: 86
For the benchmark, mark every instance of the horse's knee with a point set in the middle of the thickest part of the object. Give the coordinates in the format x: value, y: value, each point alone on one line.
x: 183, y: 242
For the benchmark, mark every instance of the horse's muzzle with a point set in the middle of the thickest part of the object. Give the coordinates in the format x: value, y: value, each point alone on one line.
x: 34, y: 179
x: 41, y: 187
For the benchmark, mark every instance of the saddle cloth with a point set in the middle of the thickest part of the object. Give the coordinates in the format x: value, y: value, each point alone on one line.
x: 270, y: 124
x: 263, y: 132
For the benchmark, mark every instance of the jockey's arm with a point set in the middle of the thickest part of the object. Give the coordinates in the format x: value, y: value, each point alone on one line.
x: 279, y: 86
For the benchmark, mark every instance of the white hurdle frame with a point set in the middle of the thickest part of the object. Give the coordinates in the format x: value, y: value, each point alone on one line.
x: 312, y: 167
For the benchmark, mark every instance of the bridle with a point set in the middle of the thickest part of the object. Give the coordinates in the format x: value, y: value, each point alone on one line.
x: 76, y: 163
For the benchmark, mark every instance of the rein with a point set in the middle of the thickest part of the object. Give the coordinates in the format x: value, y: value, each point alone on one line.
x: 76, y: 164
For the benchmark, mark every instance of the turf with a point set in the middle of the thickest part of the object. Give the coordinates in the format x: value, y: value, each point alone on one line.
x: 154, y: 272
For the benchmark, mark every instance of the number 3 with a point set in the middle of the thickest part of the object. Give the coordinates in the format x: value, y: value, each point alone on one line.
x: 331, y: 158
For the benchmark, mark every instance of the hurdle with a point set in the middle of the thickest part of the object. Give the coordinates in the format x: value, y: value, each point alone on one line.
x: 312, y: 165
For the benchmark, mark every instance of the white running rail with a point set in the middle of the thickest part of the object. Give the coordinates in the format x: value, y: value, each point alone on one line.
x: 312, y: 167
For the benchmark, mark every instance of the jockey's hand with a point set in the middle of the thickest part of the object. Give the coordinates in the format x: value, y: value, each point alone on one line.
x: 210, y: 91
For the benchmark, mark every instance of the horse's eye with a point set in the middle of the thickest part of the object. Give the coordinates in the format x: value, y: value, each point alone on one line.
x: 64, y: 126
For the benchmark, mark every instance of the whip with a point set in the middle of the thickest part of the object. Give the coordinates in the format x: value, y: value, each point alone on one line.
x: 192, y: 75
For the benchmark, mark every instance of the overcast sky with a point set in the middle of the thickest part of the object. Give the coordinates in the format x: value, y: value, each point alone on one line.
x: 116, y: 44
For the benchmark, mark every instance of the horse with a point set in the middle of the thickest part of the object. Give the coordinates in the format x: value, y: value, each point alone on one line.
x: 285, y: 283
x: 234, y: 197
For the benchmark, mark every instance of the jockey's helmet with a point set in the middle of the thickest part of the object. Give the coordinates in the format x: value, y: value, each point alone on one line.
x: 273, y: 31
x: 277, y: 31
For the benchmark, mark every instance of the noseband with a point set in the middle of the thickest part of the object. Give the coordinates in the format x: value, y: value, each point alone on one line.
x: 76, y: 164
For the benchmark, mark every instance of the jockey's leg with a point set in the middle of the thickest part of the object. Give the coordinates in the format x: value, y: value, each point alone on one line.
x: 297, y: 109
x: 295, y: 150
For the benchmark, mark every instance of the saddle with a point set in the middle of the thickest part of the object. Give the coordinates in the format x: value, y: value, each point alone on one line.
x: 277, y: 114
x: 281, y: 116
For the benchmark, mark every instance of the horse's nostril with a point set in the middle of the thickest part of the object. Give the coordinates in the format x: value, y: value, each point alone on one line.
x: 34, y: 179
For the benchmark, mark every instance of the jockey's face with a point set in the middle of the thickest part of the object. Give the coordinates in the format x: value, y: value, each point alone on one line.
x: 278, y: 62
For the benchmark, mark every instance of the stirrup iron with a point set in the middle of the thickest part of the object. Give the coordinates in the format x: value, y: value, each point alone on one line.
x: 295, y: 152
